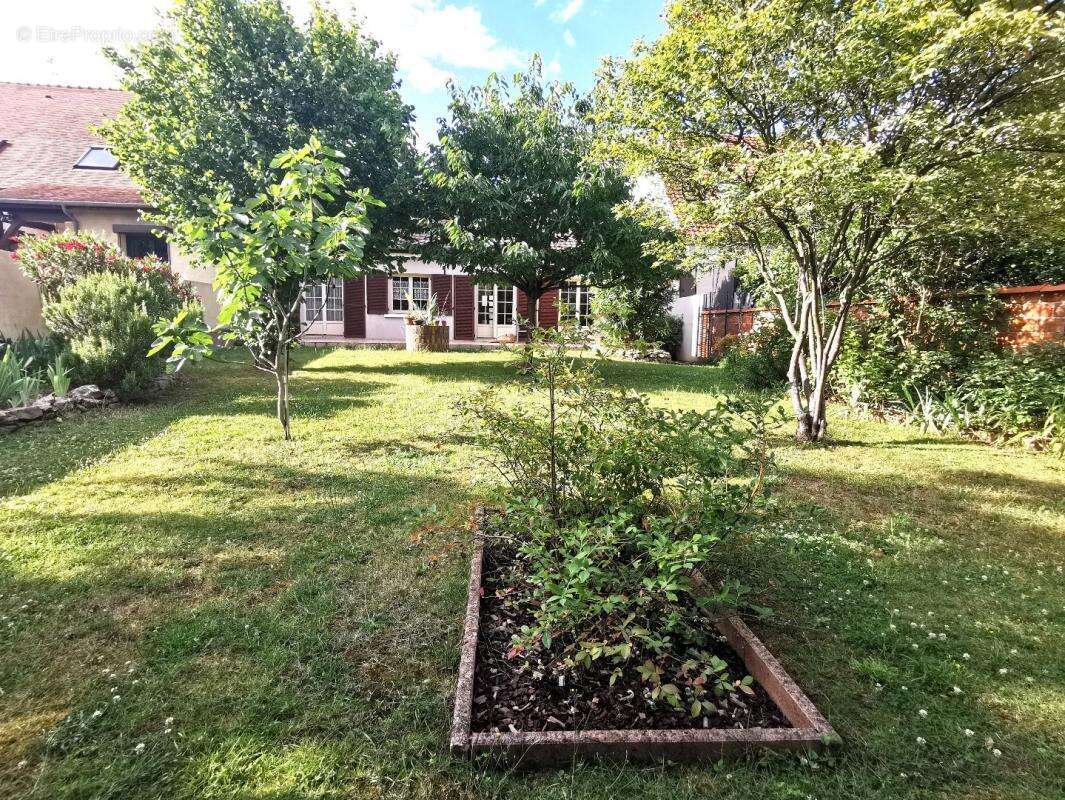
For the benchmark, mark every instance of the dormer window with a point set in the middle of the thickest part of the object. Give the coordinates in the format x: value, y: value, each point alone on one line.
x: 97, y: 158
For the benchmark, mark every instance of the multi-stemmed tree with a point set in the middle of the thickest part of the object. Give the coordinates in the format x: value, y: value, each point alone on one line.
x: 826, y: 138
x: 514, y: 197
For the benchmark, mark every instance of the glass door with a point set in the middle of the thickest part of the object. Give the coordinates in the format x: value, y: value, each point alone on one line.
x: 495, y: 311
x: 322, y: 311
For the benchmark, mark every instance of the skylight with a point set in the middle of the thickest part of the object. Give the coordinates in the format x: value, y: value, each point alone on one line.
x: 97, y: 158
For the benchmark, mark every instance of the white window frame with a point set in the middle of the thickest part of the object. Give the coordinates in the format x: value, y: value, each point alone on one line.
x: 582, y: 292
x: 408, y: 288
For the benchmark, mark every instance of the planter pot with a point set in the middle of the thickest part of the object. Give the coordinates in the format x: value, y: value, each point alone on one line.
x: 435, y: 338
x: 809, y: 731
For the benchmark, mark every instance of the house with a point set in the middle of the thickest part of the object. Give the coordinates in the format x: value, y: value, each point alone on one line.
x: 56, y: 174
x: 713, y: 286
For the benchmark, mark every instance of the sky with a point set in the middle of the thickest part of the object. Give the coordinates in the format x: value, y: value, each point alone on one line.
x: 59, y: 41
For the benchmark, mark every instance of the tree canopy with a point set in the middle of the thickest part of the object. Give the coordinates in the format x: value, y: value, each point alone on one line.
x: 513, y: 195
x: 826, y: 138
x: 229, y: 84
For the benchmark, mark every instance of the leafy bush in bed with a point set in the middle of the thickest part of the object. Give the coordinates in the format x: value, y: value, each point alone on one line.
x: 1012, y: 395
x: 612, y: 503
x: 758, y: 360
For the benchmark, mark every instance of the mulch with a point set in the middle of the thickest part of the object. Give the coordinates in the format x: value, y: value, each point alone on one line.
x: 525, y: 693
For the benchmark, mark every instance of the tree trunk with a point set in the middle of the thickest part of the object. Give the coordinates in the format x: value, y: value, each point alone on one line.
x: 282, y: 391
x: 534, y: 314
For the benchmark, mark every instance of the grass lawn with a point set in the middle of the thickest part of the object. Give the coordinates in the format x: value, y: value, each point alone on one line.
x: 191, y: 607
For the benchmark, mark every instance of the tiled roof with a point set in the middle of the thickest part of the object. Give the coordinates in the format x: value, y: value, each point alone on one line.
x: 47, y: 129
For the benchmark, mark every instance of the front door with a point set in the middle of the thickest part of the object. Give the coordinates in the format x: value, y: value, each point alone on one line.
x: 322, y: 313
x: 495, y: 311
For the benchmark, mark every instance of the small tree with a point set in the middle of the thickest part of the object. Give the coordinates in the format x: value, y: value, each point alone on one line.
x: 513, y: 196
x: 828, y: 138
x: 268, y: 251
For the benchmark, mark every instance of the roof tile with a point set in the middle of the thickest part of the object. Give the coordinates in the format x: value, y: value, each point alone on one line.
x: 47, y: 129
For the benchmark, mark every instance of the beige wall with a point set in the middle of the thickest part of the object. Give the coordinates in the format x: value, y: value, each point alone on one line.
x: 20, y: 305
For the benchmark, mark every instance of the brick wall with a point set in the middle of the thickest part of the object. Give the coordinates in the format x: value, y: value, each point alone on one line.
x: 1034, y: 314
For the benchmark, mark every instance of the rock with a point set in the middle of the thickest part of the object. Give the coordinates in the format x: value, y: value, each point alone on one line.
x: 88, y: 392
x: 658, y: 356
x: 45, y: 402
x: 25, y: 413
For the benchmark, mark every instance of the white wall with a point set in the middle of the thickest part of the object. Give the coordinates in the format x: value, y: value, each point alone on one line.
x: 688, y: 309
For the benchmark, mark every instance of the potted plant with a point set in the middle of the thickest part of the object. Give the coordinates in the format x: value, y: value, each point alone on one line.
x: 425, y: 328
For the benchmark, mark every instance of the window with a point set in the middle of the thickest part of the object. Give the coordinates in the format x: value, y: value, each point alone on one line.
x: 141, y: 245
x: 504, y: 305
x: 576, y: 303
x: 324, y: 302
x: 407, y: 287
x: 97, y: 158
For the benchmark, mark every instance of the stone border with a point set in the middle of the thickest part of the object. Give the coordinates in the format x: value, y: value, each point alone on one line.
x: 811, y: 730
x: 50, y: 406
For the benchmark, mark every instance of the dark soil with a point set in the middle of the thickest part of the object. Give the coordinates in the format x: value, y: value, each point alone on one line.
x: 524, y: 693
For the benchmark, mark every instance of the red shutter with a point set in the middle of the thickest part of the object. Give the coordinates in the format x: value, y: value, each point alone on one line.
x: 376, y: 294
x: 440, y: 285
x: 548, y: 316
x: 464, y: 308
x: 523, y: 305
x: 355, y: 308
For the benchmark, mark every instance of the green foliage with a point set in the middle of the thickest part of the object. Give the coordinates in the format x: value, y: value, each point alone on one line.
x: 637, y: 311
x: 614, y: 501
x: 920, y: 340
x: 107, y: 322
x: 59, y: 376
x: 1012, y: 395
x: 18, y: 382
x: 268, y: 250
x: 229, y: 84
x: 513, y: 197
x: 37, y: 349
x: 59, y: 259
x: 826, y: 139
x: 758, y: 359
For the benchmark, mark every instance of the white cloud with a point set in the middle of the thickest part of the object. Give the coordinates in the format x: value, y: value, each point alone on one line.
x: 431, y: 38
x: 553, y: 67
x: 568, y: 11
x: 567, y: 37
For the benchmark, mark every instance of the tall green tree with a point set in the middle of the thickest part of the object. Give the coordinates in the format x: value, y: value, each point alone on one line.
x: 226, y: 85
x: 827, y: 138
x: 268, y: 249
x: 514, y: 197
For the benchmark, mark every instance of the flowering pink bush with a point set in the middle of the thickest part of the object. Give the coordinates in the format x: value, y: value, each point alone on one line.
x: 59, y: 259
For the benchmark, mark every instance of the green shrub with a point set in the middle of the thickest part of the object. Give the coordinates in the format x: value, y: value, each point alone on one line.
x: 758, y: 360
x: 1011, y: 394
x: 61, y: 259
x: 107, y: 320
x: 903, y: 342
x: 612, y: 503
x: 640, y: 313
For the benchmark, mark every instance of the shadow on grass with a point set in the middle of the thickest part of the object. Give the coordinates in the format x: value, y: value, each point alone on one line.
x: 61, y: 447
x: 306, y: 608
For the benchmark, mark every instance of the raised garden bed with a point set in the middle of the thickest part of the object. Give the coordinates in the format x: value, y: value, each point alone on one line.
x: 518, y: 718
